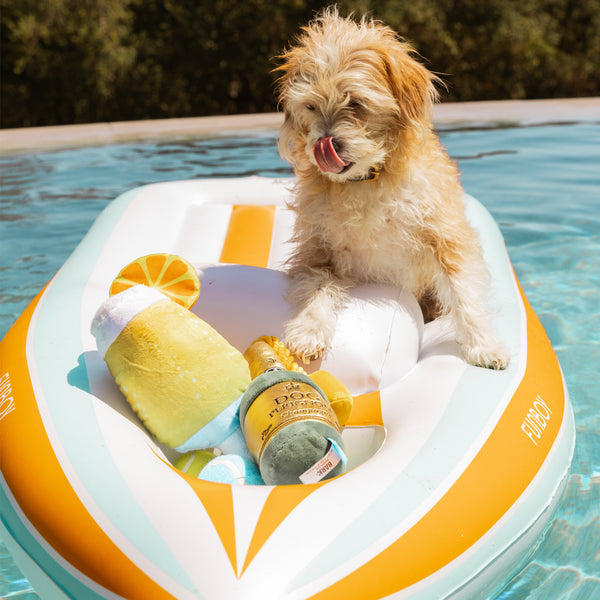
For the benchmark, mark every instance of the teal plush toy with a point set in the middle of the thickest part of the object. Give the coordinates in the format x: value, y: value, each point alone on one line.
x: 226, y: 468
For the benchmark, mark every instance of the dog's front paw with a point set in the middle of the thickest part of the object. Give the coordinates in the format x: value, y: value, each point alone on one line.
x: 490, y: 356
x: 307, y: 339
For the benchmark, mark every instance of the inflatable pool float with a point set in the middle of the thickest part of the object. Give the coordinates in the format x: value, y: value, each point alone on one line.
x: 453, y: 473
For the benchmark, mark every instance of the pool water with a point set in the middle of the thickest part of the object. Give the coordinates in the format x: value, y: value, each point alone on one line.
x: 541, y: 183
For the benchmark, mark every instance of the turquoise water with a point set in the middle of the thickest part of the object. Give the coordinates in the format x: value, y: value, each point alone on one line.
x: 541, y: 183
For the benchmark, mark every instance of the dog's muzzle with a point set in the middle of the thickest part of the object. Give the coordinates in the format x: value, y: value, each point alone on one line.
x: 329, y: 161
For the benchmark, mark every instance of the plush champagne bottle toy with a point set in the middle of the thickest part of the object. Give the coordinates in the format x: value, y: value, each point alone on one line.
x: 290, y: 427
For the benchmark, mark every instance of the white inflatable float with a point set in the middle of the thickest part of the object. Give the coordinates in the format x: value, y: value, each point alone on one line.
x: 454, y: 471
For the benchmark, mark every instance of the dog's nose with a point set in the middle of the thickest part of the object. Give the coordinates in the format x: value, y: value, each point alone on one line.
x: 326, y: 155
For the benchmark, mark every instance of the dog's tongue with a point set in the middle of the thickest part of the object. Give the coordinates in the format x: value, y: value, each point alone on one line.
x: 326, y: 156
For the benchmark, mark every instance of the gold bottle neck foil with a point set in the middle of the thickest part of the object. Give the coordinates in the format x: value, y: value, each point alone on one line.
x: 261, y: 358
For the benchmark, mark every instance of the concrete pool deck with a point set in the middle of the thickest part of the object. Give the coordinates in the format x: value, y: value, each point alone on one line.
x: 501, y: 112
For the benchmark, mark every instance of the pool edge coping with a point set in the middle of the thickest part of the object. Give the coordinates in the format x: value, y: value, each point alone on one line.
x: 499, y: 112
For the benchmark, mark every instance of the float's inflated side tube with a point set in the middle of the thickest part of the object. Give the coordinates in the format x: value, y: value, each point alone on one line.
x: 440, y: 454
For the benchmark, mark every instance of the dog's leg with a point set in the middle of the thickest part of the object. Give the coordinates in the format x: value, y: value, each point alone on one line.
x: 462, y: 293
x: 319, y: 295
x: 473, y: 332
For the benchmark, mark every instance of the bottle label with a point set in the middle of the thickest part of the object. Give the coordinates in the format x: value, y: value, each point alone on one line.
x: 280, y: 405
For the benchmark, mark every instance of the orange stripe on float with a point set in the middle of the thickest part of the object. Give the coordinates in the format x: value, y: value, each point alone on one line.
x: 248, y: 239
x: 282, y: 500
x: 44, y: 493
x: 489, y: 486
x: 217, y: 499
x: 366, y: 411
x: 280, y: 503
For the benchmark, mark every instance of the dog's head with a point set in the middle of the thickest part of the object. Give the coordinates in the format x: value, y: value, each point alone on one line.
x: 353, y: 96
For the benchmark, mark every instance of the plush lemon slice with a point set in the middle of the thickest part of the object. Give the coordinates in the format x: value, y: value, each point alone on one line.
x: 170, y: 274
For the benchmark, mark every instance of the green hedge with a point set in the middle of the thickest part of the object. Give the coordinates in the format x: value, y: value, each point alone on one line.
x: 74, y: 61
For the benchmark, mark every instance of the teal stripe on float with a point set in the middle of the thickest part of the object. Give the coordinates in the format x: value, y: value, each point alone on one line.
x: 57, y: 348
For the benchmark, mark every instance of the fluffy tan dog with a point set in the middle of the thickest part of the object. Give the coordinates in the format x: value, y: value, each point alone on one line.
x: 377, y: 198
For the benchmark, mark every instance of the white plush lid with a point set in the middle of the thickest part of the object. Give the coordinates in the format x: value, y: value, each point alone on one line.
x: 114, y: 314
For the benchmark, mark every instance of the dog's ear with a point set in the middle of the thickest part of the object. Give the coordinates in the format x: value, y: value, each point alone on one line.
x: 412, y: 84
x: 289, y: 65
x: 286, y: 68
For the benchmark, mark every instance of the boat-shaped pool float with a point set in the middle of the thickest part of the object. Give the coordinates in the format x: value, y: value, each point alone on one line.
x: 453, y: 472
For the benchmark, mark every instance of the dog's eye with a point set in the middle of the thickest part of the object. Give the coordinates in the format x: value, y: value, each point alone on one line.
x: 309, y: 107
x: 355, y: 104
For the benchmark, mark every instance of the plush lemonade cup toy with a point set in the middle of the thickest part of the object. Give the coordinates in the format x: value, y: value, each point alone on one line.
x: 181, y: 377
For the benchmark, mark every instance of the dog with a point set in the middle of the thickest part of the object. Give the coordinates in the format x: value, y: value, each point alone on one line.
x: 377, y: 198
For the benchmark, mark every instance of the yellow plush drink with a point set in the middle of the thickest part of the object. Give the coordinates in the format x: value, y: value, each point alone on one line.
x: 175, y: 370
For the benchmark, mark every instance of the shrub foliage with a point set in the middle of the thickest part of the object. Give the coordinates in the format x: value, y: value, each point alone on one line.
x: 74, y: 61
